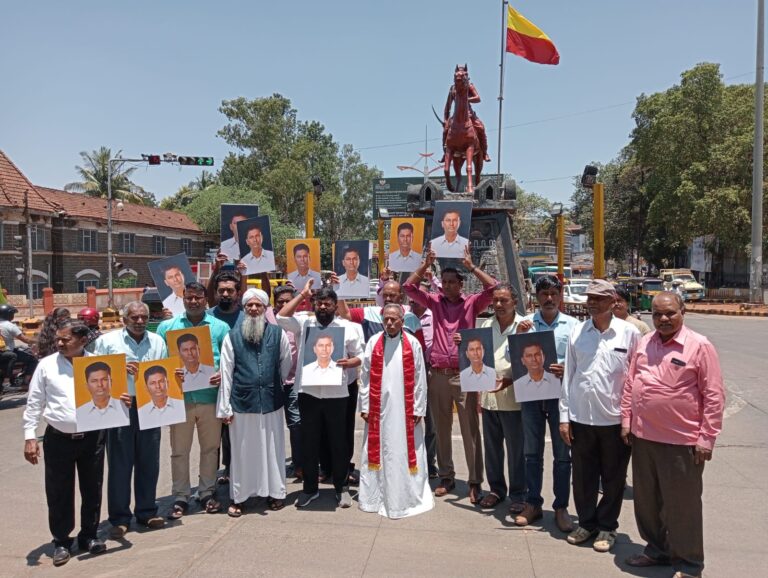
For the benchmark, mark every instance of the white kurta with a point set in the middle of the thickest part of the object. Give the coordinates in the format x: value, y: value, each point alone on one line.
x: 393, y: 491
x: 257, y: 467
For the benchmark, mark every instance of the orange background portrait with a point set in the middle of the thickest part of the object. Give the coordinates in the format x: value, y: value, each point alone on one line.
x: 418, y: 234
x: 118, y: 373
x: 314, y: 254
x: 171, y: 364
x: 203, y: 335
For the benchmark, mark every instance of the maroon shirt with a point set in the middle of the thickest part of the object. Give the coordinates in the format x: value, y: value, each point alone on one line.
x: 448, y: 318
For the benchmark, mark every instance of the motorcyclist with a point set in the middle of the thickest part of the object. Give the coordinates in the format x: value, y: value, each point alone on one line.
x: 10, y: 334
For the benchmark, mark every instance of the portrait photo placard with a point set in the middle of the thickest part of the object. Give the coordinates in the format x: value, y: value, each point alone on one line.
x: 450, y: 228
x: 170, y: 274
x: 406, y: 242
x: 351, y: 262
x: 531, y: 355
x: 159, y: 397
x: 302, y: 258
x: 477, y: 368
x: 255, y: 237
x: 193, y: 347
x: 231, y: 215
x: 100, y: 380
x: 322, y: 349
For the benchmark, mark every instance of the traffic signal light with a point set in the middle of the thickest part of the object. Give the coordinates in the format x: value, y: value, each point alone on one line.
x: 153, y: 159
x: 197, y: 161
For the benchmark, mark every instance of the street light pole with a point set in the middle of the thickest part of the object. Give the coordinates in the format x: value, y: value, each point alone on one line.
x: 599, y: 233
x: 28, y: 224
x: 756, y: 260
x: 110, y: 295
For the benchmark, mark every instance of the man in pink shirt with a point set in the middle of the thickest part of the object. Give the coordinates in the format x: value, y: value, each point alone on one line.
x: 452, y: 311
x: 671, y: 414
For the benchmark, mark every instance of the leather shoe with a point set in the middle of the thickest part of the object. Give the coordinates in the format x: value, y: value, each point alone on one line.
x: 446, y: 485
x: 118, y: 531
x: 61, y: 555
x: 563, y: 520
x: 529, y: 514
x: 94, y: 546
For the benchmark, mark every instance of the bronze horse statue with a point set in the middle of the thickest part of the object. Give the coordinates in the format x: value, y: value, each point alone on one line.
x: 463, y: 133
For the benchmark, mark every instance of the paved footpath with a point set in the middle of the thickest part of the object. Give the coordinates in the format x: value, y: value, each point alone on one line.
x: 455, y: 539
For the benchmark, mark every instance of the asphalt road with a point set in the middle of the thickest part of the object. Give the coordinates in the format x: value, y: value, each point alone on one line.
x: 455, y: 539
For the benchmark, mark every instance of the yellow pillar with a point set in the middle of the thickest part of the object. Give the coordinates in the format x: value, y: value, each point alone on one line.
x: 599, y: 227
x: 561, y: 246
x: 381, y: 245
x: 309, y: 214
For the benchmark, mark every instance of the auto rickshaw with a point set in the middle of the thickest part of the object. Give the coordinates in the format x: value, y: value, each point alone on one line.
x: 651, y: 287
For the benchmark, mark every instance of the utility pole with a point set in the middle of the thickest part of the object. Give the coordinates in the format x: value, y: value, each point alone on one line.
x: 28, y: 223
x: 756, y: 260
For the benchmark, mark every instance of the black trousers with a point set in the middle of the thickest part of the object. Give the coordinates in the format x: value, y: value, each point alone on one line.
x: 64, y: 455
x: 599, y: 456
x: 329, y: 415
x: 225, y: 450
x: 351, y: 412
x: 7, y: 361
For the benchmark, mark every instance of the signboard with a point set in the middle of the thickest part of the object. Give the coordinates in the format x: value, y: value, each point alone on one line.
x: 701, y: 258
x: 392, y: 194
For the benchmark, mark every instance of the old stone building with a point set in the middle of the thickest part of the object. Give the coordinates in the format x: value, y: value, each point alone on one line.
x: 68, y: 232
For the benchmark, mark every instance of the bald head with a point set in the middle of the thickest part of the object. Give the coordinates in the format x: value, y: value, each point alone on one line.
x: 392, y: 292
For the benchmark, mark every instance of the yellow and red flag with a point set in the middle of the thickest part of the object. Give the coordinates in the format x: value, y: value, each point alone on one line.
x: 527, y: 40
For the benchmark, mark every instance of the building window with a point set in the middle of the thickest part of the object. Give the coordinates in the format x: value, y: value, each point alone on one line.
x: 89, y: 240
x: 158, y: 245
x: 128, y: 242
x: 38, y: 237
x: 83, y: 284
x: 37, y: 287
x: 186, y: 246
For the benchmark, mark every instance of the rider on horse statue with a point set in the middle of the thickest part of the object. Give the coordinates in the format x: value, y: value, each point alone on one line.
x: 474, y: 98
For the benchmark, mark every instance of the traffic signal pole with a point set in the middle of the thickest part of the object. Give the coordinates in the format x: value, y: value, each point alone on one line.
x: 598, y: 215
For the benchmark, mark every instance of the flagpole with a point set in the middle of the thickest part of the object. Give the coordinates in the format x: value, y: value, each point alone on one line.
x: 501, y: 78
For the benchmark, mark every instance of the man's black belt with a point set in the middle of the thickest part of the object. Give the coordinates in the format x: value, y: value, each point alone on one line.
x: 73, y: 436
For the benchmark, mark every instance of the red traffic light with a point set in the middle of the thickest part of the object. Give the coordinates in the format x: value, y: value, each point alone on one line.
x: 153, y: 159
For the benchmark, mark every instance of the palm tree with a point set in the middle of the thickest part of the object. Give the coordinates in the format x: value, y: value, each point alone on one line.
x: 204, y: 181
x: 94, y: 178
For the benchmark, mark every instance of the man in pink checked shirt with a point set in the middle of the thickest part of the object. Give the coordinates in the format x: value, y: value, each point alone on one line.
x: 671, y: 413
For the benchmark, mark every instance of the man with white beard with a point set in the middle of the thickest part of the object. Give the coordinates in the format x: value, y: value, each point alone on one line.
x: 394, y: 481
x: 255, y: 361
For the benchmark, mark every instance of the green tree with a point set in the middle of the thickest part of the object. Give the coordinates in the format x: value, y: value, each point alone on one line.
x: 531, y: 218
x: 94, y: 177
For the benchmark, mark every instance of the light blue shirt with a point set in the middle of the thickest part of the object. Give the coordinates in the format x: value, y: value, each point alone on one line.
x: 150, y: 348
x: 562, y: 326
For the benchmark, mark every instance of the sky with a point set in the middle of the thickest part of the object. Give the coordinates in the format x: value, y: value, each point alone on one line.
x: 148, y: 76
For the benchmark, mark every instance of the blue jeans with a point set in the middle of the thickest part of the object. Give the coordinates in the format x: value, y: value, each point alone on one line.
x: 536, y: 415
x: 132, y: 453
x: 500, y: 429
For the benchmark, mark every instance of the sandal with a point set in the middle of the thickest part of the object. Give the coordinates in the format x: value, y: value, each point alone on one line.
x: 235, y: 510
x: 275, y: 504
x: 475, y: 494
x: 178, y: 510
x: 490, y: 501
x: 212, y: 505
x: 644, y: 561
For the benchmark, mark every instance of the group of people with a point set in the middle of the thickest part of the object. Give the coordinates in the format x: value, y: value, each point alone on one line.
x: 659, y: 397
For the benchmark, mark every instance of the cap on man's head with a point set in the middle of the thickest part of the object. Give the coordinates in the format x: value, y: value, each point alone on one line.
x: 601, y: 288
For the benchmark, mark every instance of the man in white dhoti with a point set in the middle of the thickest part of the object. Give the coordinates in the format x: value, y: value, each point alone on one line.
x: 394, y: 481
x: 255, y: 361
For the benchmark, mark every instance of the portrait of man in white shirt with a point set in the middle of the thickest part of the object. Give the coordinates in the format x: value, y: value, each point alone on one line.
x: 103, y: 411
x: 196, y: 375
x: 477, y: 376
x: 450, y: 244
x: 230, y: 247
x: 322, y: 371
x: 258, y: 259
x: 537, y: 383
x: 173, y: 277
x: 351, y: 282
x: 161, y: 409
x: 303, y: 273
x: 404, y: 259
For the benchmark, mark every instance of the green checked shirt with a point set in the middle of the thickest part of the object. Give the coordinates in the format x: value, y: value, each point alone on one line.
x: 219, y: 331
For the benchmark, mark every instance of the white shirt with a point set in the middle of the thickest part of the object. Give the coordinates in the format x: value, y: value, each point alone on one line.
x: 313, y: 374
x: 299, y: 281
x: 528, y: 389
x: 353, y: 347
x: 151, y: 416
x: 89, y: 417
x: 483, y: 381
x: 201, y: 379
x: 9, y: 331
x: 360, y: 286
x: 259, y: 264
x: 52, y: 396
x: 174, y: 303
x: 596, y: 365
x: 449, y: 249
x: 399, y: 262
x: 231, y: 248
